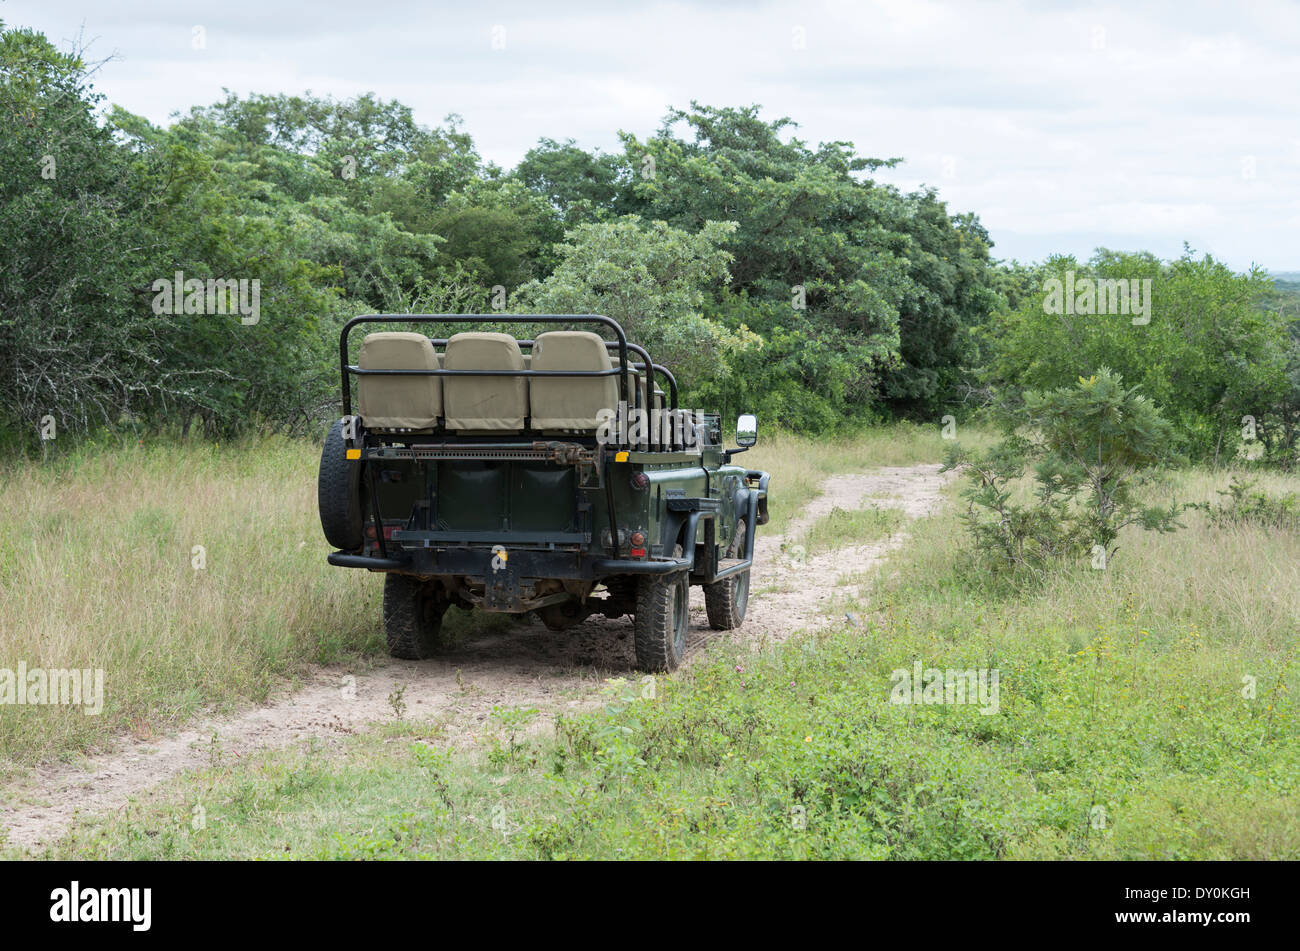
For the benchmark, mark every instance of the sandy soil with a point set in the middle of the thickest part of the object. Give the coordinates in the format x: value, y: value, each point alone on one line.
x: 524, y: 665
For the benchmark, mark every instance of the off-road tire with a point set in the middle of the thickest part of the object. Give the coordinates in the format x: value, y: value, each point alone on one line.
x: 413, y: 611
x: 661, y: 620
x: 725, y: 601
x: 338, y: 493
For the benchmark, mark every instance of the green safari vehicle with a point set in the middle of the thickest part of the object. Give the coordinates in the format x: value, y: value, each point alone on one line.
x: 555, y: 475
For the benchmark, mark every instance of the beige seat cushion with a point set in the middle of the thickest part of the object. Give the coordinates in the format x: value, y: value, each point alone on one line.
x: 485, y: 402
x: 571, y: 402
x: 642, y: 395
x: 399, y: 402
x: 653, y: 397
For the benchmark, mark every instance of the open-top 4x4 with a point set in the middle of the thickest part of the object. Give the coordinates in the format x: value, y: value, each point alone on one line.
x: 551, y: 475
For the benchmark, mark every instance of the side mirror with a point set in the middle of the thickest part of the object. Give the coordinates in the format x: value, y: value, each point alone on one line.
x: 746, y: 430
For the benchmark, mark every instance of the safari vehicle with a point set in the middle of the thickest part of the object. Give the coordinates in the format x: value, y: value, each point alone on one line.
x: 552, y: 476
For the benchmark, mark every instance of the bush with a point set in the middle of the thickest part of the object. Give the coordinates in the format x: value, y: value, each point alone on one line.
x: 1245, y: 506
x: 1091, y: 446
x: 1203, y: 348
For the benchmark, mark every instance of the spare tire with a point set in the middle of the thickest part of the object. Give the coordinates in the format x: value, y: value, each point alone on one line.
x: 338, y: 493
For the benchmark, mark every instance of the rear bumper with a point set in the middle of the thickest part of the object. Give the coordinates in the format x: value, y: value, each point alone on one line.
x: 503, y: 565
x: 529, y: 564
x: 341, y: 559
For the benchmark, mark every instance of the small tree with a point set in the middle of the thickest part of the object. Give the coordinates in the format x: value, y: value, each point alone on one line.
x: 1091, y: 446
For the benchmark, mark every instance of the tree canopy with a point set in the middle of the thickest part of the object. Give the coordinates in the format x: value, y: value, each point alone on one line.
x: 775, y: 275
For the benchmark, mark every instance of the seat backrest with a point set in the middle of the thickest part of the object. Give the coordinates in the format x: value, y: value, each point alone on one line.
x: 398, y: 402
x: 571, y: 402
x: 651, y: 395
x: 652, y: 398
x: 484, y: 402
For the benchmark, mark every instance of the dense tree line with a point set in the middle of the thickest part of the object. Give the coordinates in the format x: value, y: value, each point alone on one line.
x: 773, y: 274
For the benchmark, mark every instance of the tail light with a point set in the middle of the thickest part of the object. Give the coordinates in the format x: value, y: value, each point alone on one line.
x: 640, y: 481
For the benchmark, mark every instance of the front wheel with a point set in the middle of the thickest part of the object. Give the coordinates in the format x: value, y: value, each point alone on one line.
x: 413, y: 611
x: 725, y: 601
x: 662, y: 607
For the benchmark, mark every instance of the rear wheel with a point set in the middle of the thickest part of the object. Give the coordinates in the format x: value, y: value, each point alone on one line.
x: 338, y: 492
x: 413, y: 611
x: 662, y: 608
x: 725, y: 601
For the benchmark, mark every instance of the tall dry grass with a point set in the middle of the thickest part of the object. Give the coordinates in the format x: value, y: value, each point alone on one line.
x: 98, y: 570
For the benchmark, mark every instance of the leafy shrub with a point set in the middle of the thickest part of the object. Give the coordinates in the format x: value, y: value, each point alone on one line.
x: 1091, y: 446
x: 1205, y: 349
x: 1246, y: 506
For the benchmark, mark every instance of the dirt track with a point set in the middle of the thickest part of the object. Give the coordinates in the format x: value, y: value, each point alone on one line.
x: 523, y: 666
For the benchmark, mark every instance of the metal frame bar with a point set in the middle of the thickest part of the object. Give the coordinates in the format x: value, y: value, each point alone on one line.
x: 346, y: 371
x: 647, y: 361
x: 747, y: 559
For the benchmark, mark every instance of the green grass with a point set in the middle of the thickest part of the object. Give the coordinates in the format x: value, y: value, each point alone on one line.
x: 842, y: 527
x: 730, y: 756
x: 1124, y: 729
x: 799, y: 465
x: 1144, y: 712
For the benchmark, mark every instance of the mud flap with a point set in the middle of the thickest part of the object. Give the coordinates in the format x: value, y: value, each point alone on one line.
x: 501, y: 592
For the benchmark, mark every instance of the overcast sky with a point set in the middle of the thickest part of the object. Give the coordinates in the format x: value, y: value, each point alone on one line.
x: 1064, y: 126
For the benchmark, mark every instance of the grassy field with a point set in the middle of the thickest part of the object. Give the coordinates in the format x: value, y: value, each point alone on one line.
x: 798, y: 465
x: 842, y: 526
x: 1144, y: 711
x: 98, y: 570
